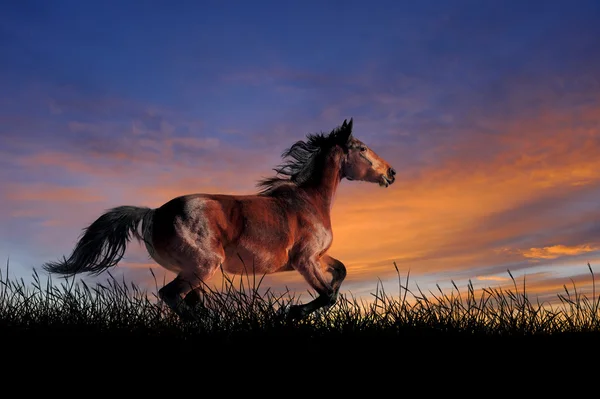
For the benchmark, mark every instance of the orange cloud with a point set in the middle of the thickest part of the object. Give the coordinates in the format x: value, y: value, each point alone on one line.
x: 555, y: 251
x: 492, y: 278
x: 51, y: 193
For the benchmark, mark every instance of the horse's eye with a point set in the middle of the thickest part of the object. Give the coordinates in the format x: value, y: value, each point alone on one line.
x: 363, y: 148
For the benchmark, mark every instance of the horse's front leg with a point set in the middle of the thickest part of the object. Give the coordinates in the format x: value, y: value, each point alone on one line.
x: 337, y: 270
x: 312, y: 271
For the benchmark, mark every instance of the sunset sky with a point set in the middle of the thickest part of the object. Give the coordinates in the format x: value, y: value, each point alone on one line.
x: 488, y: 110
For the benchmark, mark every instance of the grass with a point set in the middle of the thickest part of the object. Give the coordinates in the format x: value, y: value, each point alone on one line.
x: 243, y: 310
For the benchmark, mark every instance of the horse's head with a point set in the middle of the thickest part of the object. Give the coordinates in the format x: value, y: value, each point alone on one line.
x: 362, y: 163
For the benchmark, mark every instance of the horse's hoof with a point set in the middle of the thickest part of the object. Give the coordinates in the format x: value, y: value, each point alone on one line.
x: 283, y: 311
x: 295, y: 312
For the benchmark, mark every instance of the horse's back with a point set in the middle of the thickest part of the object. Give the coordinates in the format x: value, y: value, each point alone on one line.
x: 216, y: 214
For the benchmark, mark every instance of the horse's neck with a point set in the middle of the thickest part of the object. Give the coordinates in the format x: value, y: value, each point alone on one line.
x: 324, y: 189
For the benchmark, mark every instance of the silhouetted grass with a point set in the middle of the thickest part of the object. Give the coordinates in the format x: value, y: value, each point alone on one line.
x: 244, y: 310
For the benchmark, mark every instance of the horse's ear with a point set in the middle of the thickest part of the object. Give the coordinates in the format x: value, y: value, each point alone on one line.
x: 346, y: 132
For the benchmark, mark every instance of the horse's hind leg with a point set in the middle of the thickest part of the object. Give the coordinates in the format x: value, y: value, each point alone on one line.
x: 173, y: 293
x: 193, y: 297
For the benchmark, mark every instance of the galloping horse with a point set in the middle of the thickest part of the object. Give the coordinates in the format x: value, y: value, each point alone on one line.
x: 285, y: 226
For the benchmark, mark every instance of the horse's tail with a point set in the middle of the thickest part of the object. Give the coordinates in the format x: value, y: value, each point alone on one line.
x: 103, y: 243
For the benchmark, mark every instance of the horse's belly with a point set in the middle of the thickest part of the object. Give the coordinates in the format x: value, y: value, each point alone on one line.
x: 241, y: 260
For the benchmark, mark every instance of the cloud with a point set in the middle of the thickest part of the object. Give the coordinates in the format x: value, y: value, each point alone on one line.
x: 556, y: 251
x: 492, y: 278
x: 41, y: 192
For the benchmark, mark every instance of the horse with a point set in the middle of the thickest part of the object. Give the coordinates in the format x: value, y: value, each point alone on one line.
x: 284, y: 226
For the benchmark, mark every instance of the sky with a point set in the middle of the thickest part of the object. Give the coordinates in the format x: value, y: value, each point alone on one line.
x: 488, y: 110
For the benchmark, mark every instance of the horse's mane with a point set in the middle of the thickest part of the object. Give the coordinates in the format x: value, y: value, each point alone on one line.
x: 304, y: 159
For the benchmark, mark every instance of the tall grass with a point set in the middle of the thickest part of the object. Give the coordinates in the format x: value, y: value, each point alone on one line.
x: 244, y: 309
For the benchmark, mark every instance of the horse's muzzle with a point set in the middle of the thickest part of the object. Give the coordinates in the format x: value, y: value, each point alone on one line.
x: 390, y: 177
